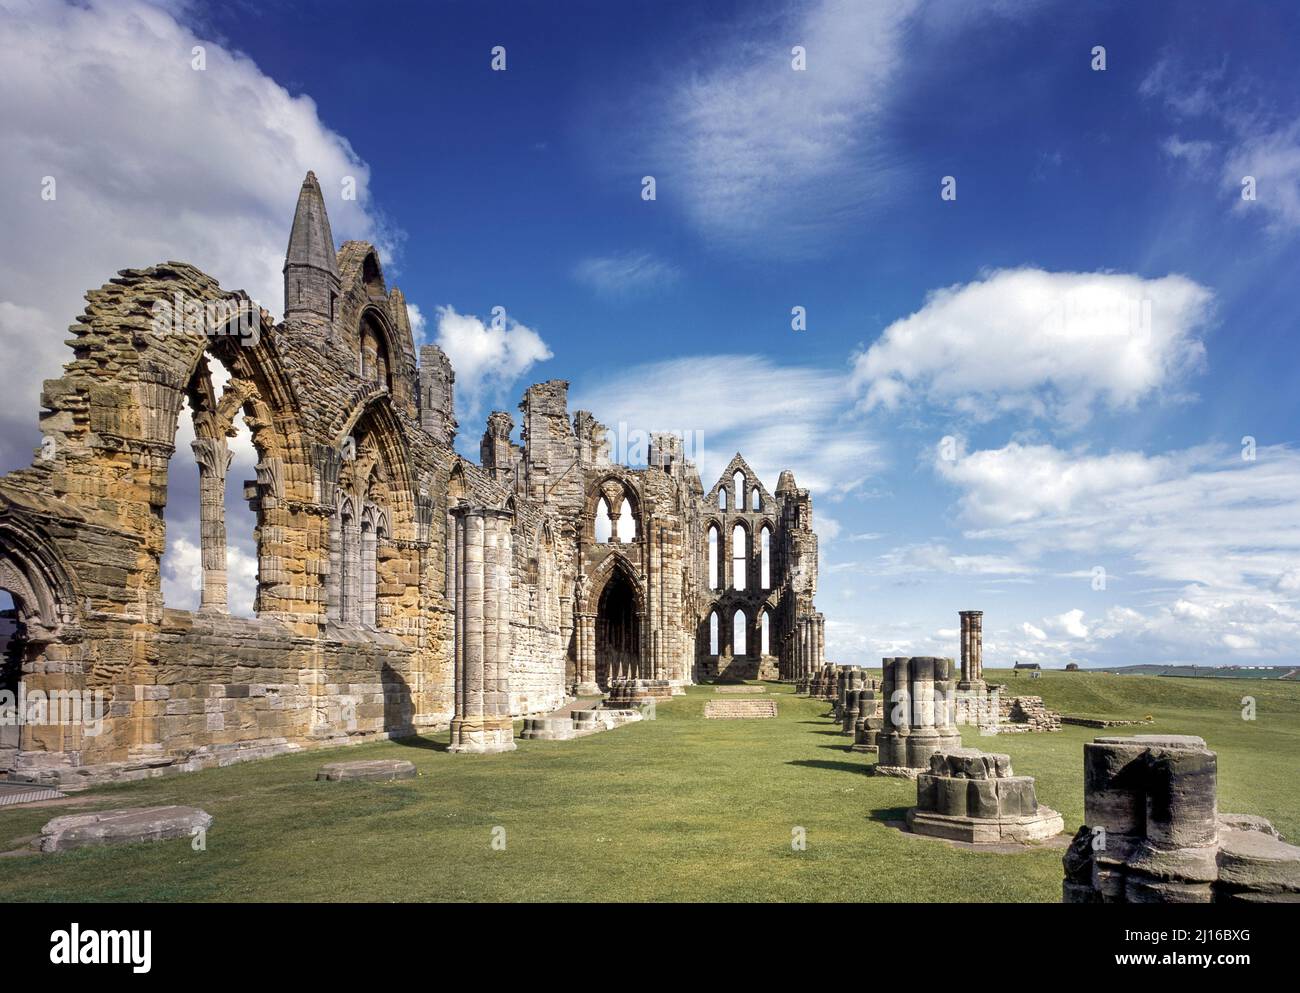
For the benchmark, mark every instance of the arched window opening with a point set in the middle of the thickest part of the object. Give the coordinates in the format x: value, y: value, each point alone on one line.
x: 722, y: 499
x: 739, y: 623
x: 758, y: 499
x: 210, y: 560
x: 739, y: 557
x: 347, y: 554
x: 713, y: 557
x: 738, y: 486
x: 713, y: 633
x: 373, y: 360
x: 373, y: 529
x: 626, y: 523
x: 765, y: 557
x: 604, y: 526
x: 765, y: 634
x: 357, y: 530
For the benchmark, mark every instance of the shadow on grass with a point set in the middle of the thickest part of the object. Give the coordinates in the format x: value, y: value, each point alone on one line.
x: 419, y: 741
x: 893, y: 816
x: 861, y: 770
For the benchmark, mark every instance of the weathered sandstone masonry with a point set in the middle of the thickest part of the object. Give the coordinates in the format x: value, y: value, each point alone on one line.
x: 1153, y: 832
x: 482, y: 722
x: 401, y: 587
x: 918, y: 715
x: 972, y: 649
x: 973, y: 796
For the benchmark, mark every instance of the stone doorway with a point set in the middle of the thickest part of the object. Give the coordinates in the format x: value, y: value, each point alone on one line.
x: 618, y: 632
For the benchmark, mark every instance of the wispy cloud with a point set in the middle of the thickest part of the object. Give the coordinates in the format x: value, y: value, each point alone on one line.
x: 1257, y: 137
x: 625, y: 275
x: 765, y: 157
x: 777, y: 416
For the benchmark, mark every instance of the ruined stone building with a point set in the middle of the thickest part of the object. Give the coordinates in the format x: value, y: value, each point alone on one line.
x: 400, y: 587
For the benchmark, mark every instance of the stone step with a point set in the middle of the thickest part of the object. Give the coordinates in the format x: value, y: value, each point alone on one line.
x: 733, y: 710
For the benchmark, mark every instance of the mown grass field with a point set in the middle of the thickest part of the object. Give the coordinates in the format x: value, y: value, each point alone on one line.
x: 677, y: 808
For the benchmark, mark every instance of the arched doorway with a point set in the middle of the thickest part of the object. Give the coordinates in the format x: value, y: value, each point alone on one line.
x: 34, y: 623
x: 618, y: 631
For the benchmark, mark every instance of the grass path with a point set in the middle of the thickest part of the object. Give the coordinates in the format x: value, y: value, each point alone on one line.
x: 678, y: 808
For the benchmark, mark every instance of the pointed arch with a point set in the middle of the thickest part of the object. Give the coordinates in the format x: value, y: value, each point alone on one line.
x: 604, y: 525
x: 617, y: 490
x: 739, y: 556
x: 714, y: 556
x: 33, y: 573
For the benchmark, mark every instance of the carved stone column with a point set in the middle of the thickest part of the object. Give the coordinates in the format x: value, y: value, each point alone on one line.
x: 213, y: 457
x: 482, y: 721
x: 369, y: 543
x: 585, y: 621
x: 350, y: 580
x: 972, y: 649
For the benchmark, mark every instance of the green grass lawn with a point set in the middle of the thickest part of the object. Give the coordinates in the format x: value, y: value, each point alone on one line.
x: 677, y: 808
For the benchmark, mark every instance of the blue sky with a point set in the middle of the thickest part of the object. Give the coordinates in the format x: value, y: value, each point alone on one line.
x: 996, y: 395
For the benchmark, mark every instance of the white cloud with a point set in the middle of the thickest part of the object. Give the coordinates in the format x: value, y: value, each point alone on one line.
x: 1225, y: 531
x: 182, y: 575
x: 1071, y: 623
x: 419, y: 323
x: 152, y: 161
x: 487, y: 356
x: 779, y: 417
x: 1200, y: 516
x: 1049, y: 344
x: 626, y: 274
x: 1026, y: 482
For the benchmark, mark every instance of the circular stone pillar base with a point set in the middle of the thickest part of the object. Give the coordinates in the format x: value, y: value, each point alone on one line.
x: 1046, y: 823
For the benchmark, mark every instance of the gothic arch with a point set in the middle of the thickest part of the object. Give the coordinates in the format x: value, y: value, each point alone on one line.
x: 375, y: 429
x: 601, y: 575
x: 32, y: 571
x: 615, y: 488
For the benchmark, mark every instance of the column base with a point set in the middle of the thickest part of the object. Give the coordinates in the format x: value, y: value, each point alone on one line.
x: 482, y: 736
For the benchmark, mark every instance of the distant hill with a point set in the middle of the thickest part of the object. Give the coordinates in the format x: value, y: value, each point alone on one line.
x: 1209, y: 671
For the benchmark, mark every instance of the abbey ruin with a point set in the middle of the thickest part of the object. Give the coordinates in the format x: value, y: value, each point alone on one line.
x: 401, y: 588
